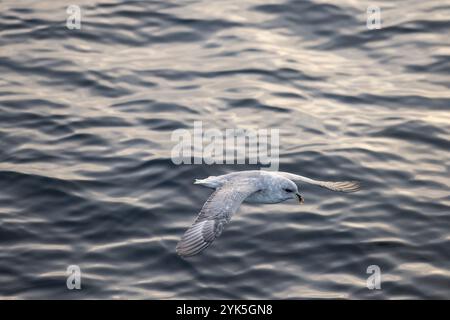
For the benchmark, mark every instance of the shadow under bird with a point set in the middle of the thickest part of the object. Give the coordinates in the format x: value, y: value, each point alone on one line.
x: 244, y: 186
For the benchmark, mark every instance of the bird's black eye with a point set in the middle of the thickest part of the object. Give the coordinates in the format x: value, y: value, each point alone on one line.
x: 288, y: 190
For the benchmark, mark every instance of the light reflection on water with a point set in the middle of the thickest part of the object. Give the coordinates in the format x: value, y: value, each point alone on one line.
x: 85, y: 170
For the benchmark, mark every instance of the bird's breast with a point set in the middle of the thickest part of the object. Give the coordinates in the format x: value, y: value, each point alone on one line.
x: 261, y: 197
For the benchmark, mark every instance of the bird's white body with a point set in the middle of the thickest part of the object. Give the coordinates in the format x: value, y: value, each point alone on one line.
x: 269, y: 184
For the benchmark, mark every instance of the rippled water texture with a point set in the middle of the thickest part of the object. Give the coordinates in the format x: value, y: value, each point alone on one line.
x: 86, y: 176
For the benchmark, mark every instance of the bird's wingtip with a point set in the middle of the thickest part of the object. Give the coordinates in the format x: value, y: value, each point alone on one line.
x: 351, y: 186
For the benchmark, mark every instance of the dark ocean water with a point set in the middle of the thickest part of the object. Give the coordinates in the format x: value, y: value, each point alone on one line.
x: 86, y: 175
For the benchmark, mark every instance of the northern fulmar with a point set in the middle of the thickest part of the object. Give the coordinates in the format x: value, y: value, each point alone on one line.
x: 232, y: 189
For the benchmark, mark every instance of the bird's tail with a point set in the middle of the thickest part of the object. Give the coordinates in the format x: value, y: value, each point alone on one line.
x: 210, y: 182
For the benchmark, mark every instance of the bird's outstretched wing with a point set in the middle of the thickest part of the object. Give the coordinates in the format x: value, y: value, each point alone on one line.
x: 215, y: 214
x: 341, y: 186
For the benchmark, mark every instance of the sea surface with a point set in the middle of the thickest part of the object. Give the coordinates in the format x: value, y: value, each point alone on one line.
x: 86, y: 170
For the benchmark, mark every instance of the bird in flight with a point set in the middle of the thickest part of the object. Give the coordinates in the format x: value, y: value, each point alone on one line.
x: 232, y: 189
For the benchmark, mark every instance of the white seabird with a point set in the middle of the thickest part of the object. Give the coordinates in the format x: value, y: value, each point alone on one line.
x: 245, y: 186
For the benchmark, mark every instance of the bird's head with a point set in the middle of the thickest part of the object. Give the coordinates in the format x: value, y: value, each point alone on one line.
x: 287, y: 190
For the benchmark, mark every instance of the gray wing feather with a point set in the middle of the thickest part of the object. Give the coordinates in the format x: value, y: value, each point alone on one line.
x: 215, y: 214
x: 341, y: 186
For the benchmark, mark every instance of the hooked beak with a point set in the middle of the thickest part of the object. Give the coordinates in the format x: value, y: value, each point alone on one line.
x: 300, y: 198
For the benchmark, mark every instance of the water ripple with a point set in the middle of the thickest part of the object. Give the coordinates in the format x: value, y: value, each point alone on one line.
x: 86, y: 175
